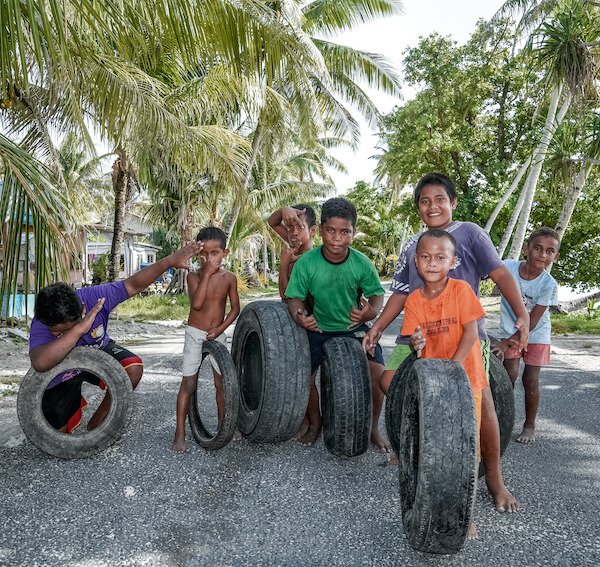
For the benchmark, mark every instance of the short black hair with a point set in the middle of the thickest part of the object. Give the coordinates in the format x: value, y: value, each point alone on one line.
x: 57, y: 304
x: 309, y: 214
x: 544, y: 232
x: 338, y: 207
x: 213, y: 233
x: 438, y: 233
x: 435, y: 179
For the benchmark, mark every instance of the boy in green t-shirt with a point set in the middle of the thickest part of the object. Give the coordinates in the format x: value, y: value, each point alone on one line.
x: 338, y: 278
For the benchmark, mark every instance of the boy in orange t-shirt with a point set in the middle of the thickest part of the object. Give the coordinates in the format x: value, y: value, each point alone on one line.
x: 442, y: 315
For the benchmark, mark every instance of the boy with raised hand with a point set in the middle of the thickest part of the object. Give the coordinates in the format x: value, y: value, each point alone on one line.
x: 296, y: 225
x: 539, y: 290
x: 441, y: 317
x: 65, y: 318
x: 208, y: 288
x: 337, y: 277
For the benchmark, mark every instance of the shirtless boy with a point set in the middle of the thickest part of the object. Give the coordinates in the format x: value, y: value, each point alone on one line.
x: 296, y: 225
x: 208, y: 289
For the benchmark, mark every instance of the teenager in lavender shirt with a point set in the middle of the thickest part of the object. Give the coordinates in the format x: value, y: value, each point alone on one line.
x: 66, y: 318
x: 435, y: 197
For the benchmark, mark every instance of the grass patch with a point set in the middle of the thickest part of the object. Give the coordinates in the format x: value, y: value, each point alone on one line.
x: 575, y: 323
x: 160, y: 307
x: 8, y: 385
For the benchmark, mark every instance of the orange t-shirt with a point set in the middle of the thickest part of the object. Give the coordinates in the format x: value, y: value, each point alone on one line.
x: 441, y: 320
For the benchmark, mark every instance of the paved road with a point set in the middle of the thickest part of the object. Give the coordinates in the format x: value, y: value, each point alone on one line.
x: 138, y: 504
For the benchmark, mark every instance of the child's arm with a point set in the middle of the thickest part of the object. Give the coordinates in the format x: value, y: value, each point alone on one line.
x: 297, y: 309
x: 210, y: 267
x: 47, y: 356
x: 287, y: 257
x: 509, y: 288
x: 469, y: 336
x: 234, y: 311
x: 368, y: 310
x: 534, y: 318
x: 392, y: 309
x: 139, y: 281
x: 283, y: 218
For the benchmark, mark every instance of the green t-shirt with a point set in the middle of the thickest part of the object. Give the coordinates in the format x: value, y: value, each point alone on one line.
x: 336, y: 288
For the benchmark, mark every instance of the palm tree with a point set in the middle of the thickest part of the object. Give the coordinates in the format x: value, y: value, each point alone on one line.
x: 65, y: 63
x: 318, y: 104
x: 563, y: 47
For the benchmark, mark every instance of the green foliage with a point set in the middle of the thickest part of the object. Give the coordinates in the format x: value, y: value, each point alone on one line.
x: 100, y: 269
x: 168, y: 242
x: 384, y: 221
x: 575, y: 323
x: 155, y: 307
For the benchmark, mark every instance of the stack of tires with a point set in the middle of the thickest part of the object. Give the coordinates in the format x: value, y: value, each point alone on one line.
x: 272, y: 356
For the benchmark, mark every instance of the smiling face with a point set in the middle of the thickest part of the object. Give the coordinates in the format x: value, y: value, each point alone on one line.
x: 337, y: 234
x: 434, y: 258
x: 435, y: 206
x: 541, y: 252
x: 212, y: 249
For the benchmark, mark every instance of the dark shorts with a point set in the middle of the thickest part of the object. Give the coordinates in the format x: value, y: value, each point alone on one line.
x: 317, y: 340
x: 62, y: 405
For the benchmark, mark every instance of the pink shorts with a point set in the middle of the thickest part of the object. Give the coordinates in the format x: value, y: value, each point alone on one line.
x: 535, y: 355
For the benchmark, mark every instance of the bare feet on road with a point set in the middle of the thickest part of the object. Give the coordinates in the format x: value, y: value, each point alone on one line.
x: 472, y: 532
x: 179, y: 446
x: 527, y: 436
x: 504, y: 501
x: 310, y: 437
x: 380, y: 441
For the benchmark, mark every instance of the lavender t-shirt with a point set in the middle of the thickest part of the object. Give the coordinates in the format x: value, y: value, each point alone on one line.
x: 476, y: 255
x: 97, y: 336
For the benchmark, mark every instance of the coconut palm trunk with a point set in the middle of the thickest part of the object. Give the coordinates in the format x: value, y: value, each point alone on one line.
x: 123, y: 184
x: 232, y: 217
x: 525, y: 200
x: 552, y: 121
x: 507, y: 194
x: 571, y: 199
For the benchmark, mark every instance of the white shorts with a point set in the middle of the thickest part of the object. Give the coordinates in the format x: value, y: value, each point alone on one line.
x: 192, y: 350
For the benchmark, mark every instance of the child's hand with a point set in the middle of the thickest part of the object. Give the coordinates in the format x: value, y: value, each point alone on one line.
x: 370, y: 340
x: 181, y: 258
x: 289, y: 255
x: 88, y: 318
x: 210, y: 266
x: 291, y: 216
x: 523, y: 330
x: 417, y: 341
x: 362, y: 315
x: 501, y: 346
x: 214, y: 333
x: 307, y: 321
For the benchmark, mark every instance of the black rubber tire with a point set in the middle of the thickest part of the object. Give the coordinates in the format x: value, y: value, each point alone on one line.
x: 231, y: 394
x: 438, y: 456
x: 394, y: 399
x: 51, y: 441
x: 504, y: 403
x: 346, y: 403
x: 272, y: 358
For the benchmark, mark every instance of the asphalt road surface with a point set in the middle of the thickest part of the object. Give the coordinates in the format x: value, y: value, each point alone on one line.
x: 283, y: 504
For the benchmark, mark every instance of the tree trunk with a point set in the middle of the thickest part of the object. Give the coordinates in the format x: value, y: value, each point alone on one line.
x: 119, y: 181
x: 265, y: 261
x: 552, y: 121
x: 506, y: 196
x: 571, y: 199
x: 231, y: 218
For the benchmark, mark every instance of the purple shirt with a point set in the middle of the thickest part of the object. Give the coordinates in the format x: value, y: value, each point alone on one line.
x: 476, y: 255
x: 97, y: 336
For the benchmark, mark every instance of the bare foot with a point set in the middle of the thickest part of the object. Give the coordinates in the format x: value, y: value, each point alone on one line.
x: 311, y: 436
x: 472, y: 532
x: 237, y: 436
x: 179, y: 446
x: 303, y: 429
x: 393, y: 458
x: 380, y: 441
x: 527, y: 436
x: 505, y: 501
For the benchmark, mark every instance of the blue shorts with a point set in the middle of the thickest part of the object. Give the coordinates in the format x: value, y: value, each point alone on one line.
x: 317, y: 340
